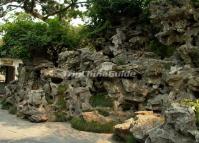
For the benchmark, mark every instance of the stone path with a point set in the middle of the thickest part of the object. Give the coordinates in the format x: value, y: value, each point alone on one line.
x: 15, y: 130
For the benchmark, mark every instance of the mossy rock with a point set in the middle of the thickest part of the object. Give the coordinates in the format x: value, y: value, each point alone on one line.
x: 62, y: 89
x: 161, y: 50
x: 82, y: 125
x: 195, y: 105
x: 103, y: 112
x: 101, y: 100
x: 13, y: 110
x: 5, y: 105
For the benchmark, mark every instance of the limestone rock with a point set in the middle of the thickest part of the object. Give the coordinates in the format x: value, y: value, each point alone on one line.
x: 133, y: 86
x: 159, y: 103
x: 36, y: 97
x: 95, y: 117
x: 54, y: 74
x: 180, y: 122
x: 140, y: 125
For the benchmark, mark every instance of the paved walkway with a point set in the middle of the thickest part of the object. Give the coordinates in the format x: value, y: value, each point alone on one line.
x: 15, y: 130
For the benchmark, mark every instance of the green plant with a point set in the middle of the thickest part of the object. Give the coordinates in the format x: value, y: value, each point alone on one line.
x: 5, y: 105
x: 61, y: 103
x: 195, y: 3
x: 44, y: 9
x: 130, y: 139
x: 103, y: 112
x: 24, y: 38
x: 195, y: 105
x: 62, y: 89
x: 120, y: 61
x: 82, y: 125
x: 61, y: 116
x: 104, y: 14
x: 13, y: 110
x: 161, y: 50
x: 101, y: 100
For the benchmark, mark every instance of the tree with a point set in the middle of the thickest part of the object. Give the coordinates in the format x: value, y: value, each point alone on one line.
x: 106, y: 13
x: 24, y: 38
x: 42, y: 9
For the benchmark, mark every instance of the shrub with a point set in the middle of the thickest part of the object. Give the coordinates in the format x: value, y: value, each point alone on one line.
x: 82, y: 125
x: 104, y: 14
x: 103, y: 112
x: 195, y: 105
x: 195, y: 3
x: 5, y: 105
x: 13, y: 110
x: 161, y: 50
x: 130, y: 139
x: 101, y: 100
x: 24, y: 38
x: 61, y: 116
x: 61, y: 89
x: 61, y: 103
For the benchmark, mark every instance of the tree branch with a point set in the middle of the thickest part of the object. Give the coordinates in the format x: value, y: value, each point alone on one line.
x: 59, y: 11
x: 17, y: 6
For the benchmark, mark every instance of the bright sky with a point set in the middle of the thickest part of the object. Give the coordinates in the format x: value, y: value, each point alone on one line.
x: 75, y: 22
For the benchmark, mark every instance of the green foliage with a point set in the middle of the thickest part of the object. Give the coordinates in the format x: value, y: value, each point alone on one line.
x: 5, y: 105
x: 101, y: 100
x: 60, y: 107
x: 120, y: 61
x: 105, y: 13
x: 195, y: 3
x: 104, y: 112
x: 103, y: 10
x: 43, y: 9
x: 61, y: 104
x: 61, y: 116
x: 62, y: 89
x: 195, y: 105
x: 25, y: 38
x: 82, y: 125
x: 161, y: 50
x: 13, y: 110
x: 130, y: 139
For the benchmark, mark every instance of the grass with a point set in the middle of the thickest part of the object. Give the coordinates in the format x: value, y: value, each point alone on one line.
x: 82, y: 125
x: 61, y: 117
x: 13, y: 110
x: 101, y: 100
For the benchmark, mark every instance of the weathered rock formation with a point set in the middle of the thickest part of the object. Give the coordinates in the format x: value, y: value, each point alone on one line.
x: 180, y: 127
x: 121, y: 78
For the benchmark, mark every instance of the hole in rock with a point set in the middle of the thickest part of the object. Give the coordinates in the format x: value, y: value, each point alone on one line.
x: 161, y: 86
x: 56, y: 80
x: 129, y: 106
x: 139, y: 76
x: 196, y: 94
